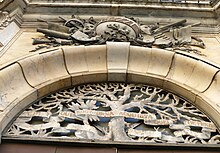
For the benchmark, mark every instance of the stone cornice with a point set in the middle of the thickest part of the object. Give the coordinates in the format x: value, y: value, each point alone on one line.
x: 207, y: 14
x: 193, y: 7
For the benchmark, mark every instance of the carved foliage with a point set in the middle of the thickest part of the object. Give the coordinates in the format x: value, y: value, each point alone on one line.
x: 115, y: 112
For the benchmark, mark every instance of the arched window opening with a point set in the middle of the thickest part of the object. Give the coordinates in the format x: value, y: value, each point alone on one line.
x: 114, y: 112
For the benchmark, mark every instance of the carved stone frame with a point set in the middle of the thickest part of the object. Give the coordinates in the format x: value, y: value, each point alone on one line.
x: 69, y: 66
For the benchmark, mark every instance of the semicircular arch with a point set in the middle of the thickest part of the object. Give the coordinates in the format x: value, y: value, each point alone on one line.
x: 30, y: 78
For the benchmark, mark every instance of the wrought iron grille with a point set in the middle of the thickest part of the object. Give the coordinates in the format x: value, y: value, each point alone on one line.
x: 115, y: 112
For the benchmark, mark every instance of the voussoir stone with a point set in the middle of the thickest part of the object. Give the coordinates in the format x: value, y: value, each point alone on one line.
x: 117, y: 60
x: 12, y: 85
x: 75, y: 58
x: 139, y: 59
x: 201, y: 76
x: 86, y: 64
x: 46, y: 71
x: 15, y: 93
x: 160, y: 62
x: 208, y: 101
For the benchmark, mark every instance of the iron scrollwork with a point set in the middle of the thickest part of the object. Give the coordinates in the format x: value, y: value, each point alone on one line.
x: 77, y: 31
x: 115, y: 112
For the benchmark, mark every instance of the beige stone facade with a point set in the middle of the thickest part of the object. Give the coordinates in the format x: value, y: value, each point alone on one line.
x: 28, y: 76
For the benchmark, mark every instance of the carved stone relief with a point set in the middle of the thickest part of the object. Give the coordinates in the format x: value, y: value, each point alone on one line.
x: 115, y: 112
x: 77, y: 31
x: 4, y: 19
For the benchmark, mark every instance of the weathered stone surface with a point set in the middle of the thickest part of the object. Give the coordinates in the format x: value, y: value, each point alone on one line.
x: 201, y: 76
x: 86, y: 63
x: 149, y: 66
x: 15, y: 93
x: 139, y: 59
x: 12, y: 85
x: 213, y: 91
x: 189, y: 76
x: 180, y: 71
x: 20, y: 48
x: 117, y: 60
x: 91, y: 77
x: 8, y: 33
x: 46, y: 71
x: 209, y: 107
x: 96, y: 58
x: 180, y: 89
x: 75, y: 59
x: 96, y: 61
x: 160, y: 62
x: 188, y: 79
x: 149, y: 79
x: 209, y: 100
x: 15, y: 107
x: 212, y: 46
x: 182, y: 68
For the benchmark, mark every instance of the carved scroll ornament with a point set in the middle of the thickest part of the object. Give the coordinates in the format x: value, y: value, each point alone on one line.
x: 115, y: 112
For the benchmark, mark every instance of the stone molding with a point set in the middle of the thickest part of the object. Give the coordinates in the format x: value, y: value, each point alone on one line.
x: 26, y: 13
x: 42, y: 73
x: 12, y: 22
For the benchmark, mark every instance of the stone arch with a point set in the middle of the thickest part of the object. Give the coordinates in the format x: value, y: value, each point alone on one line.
x: 29, y: 78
